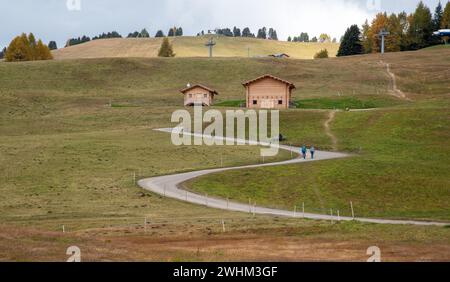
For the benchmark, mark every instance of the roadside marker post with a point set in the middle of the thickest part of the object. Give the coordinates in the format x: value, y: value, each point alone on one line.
x: 292, y: 152
x: 145, y: 225
x: 63, y: 229
x: 254, y: 209
x: 295, y: 211
x: 331, y: 214
x: 228, y: 204
x: 223, y: 225
x: 303, y: 208
x: 338, y: 216
x: 186, y: 196
x: 206, y: 199
x: 249, y: 205
x: 353, y: 213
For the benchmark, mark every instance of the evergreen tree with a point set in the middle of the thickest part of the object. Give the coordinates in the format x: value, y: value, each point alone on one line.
x: 236, y: 32
x: 247, y: 33
x: 166, y: 49
x: 52, y: 45
x: 160, y: 33
x: 262, y: 33
x: 144, y: 33
x: 314, y: 39
x: 289, y: 39
x: 273, y: 34
x: 421, y: 27
x: 437, y: 18
x: 351, y: 43
x: 179, y: 32
x: 172, y: 31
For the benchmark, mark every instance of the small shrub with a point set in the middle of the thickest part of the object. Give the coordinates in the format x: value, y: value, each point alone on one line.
x: 322, y: 54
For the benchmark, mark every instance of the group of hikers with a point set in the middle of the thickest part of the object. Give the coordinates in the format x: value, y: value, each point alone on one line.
x: 304, y: 150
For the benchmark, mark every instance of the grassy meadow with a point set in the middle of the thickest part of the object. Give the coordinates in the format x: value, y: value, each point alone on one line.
x: 74, y: 132
x: 188, y: 46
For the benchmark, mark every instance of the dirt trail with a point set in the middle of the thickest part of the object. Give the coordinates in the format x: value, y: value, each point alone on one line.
x: 395, y: 91
x: 328, y: 132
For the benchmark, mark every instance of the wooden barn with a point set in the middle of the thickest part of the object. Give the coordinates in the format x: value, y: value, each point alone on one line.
x: 268, y: 92
x: 198, y: 95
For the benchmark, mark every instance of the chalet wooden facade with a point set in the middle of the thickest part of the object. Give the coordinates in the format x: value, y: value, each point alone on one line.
x: 268, y: 92
x: 198, y: 95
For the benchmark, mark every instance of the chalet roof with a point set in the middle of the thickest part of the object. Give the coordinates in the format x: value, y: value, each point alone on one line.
x: 201, y: 86
x: 291, y: 85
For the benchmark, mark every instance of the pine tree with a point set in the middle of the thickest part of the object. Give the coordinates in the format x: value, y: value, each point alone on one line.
x: 52, y: 45
x: 289, y: 39
x: 179, y: 32
x: 351, y: 43
x: 166, y: 49
x: 273, y: 34
x: 421, y: 27
x: 144, y: 33
x: 160, y: 33
x: 437, y: 18
x: 247, y: 33
x: 236, y: 32
x: 314, y: 39
x: 262, y: 33
x: 172, y: 31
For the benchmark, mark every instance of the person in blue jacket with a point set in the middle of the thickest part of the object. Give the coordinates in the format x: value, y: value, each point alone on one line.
x: 312, y: 150
x: 303, y: 150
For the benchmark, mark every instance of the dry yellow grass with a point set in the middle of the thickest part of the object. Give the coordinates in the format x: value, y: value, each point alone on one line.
x: 192, y: 47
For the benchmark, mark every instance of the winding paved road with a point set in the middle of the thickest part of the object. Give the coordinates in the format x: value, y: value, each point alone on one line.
x: 168, y: 186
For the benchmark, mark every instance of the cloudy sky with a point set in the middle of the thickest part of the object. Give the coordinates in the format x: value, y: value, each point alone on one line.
x: 61, y: 19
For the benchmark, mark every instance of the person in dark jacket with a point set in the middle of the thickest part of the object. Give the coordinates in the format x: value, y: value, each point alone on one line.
x: 303, y: 150
x: 312, y: 150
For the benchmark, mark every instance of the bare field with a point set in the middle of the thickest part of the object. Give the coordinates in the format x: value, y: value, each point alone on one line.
x: 187, y: 46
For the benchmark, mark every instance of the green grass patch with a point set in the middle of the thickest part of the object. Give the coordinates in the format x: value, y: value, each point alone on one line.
x: 231, y: 104
x: 342, y: 103
x: 400, y: 170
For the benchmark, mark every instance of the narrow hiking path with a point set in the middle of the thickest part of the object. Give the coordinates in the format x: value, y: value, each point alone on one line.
x: 394, y: 89
x: 328, y: 132
x: 169, y: 186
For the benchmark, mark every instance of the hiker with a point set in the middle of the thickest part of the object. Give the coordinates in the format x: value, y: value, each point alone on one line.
x: 304, y: 152
x: 312, y: 150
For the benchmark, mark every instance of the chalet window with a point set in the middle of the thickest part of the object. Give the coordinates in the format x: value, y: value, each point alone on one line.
x: 205, y: 95
x: 190, y: 95
x: 280, y: 102
x: 255, y: 102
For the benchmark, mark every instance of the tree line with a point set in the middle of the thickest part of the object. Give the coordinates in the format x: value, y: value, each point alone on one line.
x: 263, y: 33
x: 84, y: 38
x: 304, y: 37
x: 174, y: 31
x: 26, y: 48
x: 406, y: 31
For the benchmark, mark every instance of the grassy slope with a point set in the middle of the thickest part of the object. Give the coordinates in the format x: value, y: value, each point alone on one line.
x: 402, y: 171
x: 192, y: 47
x: 67, y: 158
